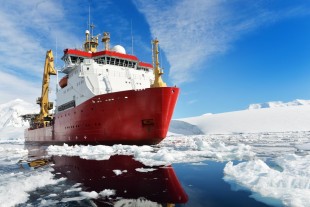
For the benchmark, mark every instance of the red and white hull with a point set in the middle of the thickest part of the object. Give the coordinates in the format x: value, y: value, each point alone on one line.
x: 127, y: 117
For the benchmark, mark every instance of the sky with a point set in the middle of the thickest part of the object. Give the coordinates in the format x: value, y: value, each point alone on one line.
x: 224, y: 55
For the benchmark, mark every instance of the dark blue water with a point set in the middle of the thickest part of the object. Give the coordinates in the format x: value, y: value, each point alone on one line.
x: 205, y: 186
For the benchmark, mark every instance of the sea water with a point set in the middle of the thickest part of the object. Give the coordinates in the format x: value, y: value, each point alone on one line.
x: 254, y: 170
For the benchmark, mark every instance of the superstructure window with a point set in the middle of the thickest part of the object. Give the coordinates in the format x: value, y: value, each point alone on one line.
x: 100, y: 60
x: 143, y: 68
x: 115, y: 61
x: 75, y: 59
x: 112, y: 61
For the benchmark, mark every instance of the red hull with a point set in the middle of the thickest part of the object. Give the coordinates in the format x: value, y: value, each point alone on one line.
x: 127, y: 117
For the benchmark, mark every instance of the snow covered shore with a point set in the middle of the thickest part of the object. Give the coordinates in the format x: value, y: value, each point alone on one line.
x: 11, y: 124
x: 258, y: 118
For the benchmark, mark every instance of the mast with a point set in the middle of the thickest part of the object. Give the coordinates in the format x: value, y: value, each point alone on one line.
x: 106, y: 40
x: 158, y: 82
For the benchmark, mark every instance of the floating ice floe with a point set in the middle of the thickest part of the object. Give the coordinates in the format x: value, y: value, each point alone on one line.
x: 288, y: 181
x: 119, y: 172
x: 305, y: 146
x: 11, y: 154
x: 17, y: 185
x: 144, y: 170
x: 188, y: 149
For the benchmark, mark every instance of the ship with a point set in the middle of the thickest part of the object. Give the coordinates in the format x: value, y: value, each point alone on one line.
x: 104, y: 97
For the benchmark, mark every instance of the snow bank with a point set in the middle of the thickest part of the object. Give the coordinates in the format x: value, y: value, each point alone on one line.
x: 10, y: 113
x: 184, y: 128
x: 11, y: 133
x: 278, y: 119
x: 187, y: 149
x: 11, y: 124
x: 289, y: 181
x: 303, y: 147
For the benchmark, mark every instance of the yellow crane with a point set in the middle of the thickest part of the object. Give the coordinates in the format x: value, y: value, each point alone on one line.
x: 44, y: 116
x: 158, y: 82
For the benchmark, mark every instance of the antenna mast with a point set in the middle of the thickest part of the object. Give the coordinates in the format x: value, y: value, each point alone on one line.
x: 89, y: 16
x: 89, y: 24
x: 131, y: 37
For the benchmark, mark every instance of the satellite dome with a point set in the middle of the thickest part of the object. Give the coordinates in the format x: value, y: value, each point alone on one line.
x: 119, y: 49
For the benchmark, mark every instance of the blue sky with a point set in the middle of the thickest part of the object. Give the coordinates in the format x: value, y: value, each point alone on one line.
x: 224, y: 55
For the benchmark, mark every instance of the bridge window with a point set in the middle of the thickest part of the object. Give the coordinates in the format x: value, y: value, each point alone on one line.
x: 75, y: 59
x: 100, y: 60
x: 143, y: 68
x: 115, y: 61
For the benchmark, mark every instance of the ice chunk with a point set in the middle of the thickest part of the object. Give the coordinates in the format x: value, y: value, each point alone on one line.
x: 144, y: 170
x: 15, y: 187
x: 291, y: 185
x: 187, y: 149
x: 93, y: 194
x: 119, y: 172
x: 107, y: 193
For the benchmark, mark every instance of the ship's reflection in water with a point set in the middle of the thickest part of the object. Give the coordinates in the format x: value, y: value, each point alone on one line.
x: 134, y: 184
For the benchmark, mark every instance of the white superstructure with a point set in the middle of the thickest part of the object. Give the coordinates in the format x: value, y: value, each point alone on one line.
x: 91, y: 72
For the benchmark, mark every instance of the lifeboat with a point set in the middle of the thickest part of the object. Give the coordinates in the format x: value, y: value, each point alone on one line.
x: 63, y: 82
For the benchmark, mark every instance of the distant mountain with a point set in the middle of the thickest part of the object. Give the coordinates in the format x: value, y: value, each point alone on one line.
x: 11, y: 124
x: 258, y: 118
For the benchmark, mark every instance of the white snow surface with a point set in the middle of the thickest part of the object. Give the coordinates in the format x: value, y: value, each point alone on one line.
x: 11, y: 124
x: 259, y: 118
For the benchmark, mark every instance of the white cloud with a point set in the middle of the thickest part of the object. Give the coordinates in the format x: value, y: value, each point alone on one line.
x: 12, y: 87
x: 192, y: 31
x: 27, y: 30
